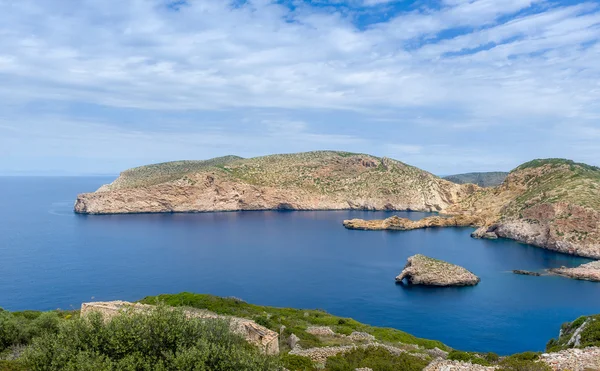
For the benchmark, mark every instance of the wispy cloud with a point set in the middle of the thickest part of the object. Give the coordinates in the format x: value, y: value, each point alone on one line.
x: 448, y: 66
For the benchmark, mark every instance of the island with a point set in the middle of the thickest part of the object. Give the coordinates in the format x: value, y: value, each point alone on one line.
x: 423, y: 270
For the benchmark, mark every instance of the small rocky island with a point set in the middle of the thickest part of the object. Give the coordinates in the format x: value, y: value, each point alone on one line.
x: 423, y: 270
x: 586, y: 272
x: 395, y: 223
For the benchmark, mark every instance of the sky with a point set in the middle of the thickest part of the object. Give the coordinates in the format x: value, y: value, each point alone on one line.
x: 99, y: 86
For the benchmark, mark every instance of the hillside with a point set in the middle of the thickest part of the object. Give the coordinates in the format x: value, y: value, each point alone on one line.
x: 323, y: 180
x: 177, y: 332
x: 488, y: 179
x: 551, y: 203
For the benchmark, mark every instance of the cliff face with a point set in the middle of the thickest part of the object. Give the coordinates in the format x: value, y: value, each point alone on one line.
x: 553, y: 204
x: 305, y: 181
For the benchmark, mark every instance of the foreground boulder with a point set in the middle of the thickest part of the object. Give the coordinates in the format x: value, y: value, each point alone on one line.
x: 586, y: 272
x: 423, y: 270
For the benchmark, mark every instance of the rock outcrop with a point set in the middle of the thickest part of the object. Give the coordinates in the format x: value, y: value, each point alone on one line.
x: 305, y: 181
x: 396, y: 223
x: 552, y: 203
x: 526, y: 273
x: 423, y: 270
x: 586, y: 272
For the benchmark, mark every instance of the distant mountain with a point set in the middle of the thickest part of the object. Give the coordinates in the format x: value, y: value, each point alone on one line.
x: 488, y: 179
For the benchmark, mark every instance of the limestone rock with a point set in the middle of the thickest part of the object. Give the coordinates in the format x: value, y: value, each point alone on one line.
x: 396, y: 223
x: 293, y: 340
x: 423, y: 270
x: 586, y: 272
x: 322, y: 180
x: 320, y: 331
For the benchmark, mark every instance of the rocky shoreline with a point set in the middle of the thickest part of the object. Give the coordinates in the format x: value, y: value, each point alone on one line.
x: 585, y: 272
x: 423, y: 270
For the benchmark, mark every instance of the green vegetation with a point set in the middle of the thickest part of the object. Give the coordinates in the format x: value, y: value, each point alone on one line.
x: 377, y: 359
x: 168, y: 171
x: 324, y: 172
x: 162, y: 339
x: 489, y: 179
x: 19, y: 328
x: 555, y: 162
x: 590, y: 334
x: 457, y: 355
x: 523, y: 362
x: 556, y: 180
x: 296, y: 321
x: 165, y: 338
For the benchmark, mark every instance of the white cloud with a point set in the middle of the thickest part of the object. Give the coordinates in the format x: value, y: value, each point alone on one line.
x: 462, y: 64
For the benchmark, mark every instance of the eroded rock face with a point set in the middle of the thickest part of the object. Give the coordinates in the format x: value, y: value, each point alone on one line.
x: 423, y: 270
x: 561, y: 227
x: 403, y: 224
x: 586, y: 272
x: 305, y: 181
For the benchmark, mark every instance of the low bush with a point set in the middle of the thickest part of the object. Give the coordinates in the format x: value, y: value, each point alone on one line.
x: 515, y: 364
x: 297, y: 363
x: 377, y: 359
x: 457, y: 355
x: 162, y: 339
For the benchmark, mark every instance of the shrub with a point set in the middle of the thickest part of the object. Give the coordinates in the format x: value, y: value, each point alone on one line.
x: 590, y: 336
x: 457, y: 355
x: 378, y: 359
x: 20, y: 328
x: 491, y: 357
x: 161, y: 339
x: 297, y: 363
x: 514, y: 364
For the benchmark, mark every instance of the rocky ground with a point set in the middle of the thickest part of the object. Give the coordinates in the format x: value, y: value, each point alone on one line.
x: 587, y: 272
x: 422, y: 270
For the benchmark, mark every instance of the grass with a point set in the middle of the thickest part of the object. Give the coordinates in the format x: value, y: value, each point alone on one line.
x: 296, y: 321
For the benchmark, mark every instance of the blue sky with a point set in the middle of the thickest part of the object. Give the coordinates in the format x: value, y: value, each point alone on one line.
x: 447, y: 85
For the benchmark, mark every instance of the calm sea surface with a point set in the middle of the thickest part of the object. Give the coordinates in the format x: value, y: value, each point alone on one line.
x: 51, y: 258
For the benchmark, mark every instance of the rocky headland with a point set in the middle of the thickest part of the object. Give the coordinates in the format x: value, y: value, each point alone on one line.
x: 423, y: 270
x: 551, y: 203
x: 324, y: 180
x: 586, y: 272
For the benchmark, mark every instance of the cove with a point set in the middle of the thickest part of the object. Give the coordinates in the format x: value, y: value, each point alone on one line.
x: 52, y: 258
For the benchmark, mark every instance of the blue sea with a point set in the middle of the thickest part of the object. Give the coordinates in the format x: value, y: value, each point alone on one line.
x: 52, y: 258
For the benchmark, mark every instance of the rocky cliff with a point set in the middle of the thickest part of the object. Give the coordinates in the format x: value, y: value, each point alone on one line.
x: 324, y: 180
x: 551, y: 203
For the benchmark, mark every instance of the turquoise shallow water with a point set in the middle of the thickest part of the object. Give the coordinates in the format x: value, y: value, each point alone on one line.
x: 51, y: 258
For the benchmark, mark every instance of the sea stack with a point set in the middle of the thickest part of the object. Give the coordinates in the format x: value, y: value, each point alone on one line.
x: 423, y: 270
